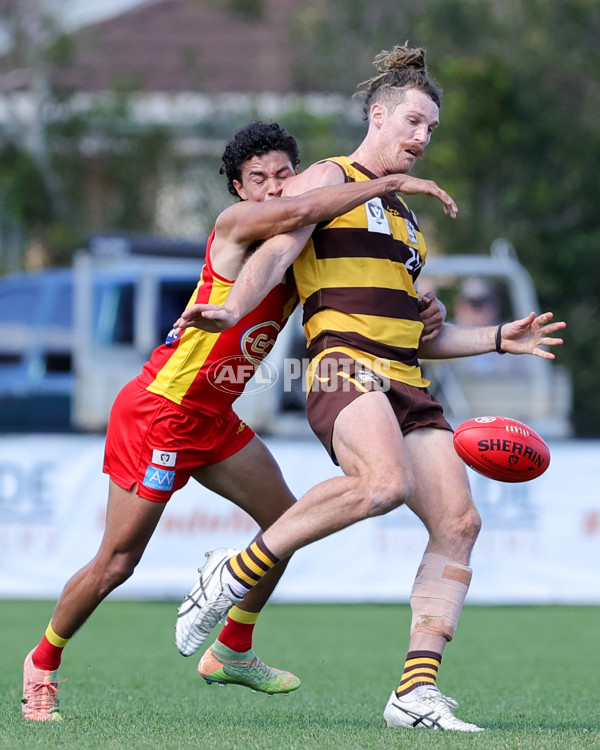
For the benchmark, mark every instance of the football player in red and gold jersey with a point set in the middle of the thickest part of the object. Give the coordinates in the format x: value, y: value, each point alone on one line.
x: 174, y: 421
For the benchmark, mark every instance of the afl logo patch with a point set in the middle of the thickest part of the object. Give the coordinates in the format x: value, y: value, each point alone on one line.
x: 256, y: 342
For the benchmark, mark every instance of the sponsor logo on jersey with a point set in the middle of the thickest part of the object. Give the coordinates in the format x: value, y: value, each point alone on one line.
x: 159, y: 479
x: 377, y: 221
x: 164, y: 458
x: 412, y: 233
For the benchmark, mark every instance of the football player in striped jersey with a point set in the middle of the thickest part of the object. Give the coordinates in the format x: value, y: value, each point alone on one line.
x: 367, y: 399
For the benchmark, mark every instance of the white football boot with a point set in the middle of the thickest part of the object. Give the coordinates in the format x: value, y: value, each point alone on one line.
x: 206, y: 604
x: 425, y: 708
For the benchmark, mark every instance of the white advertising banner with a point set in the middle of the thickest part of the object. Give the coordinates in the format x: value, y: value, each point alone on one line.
x: 540, y: 541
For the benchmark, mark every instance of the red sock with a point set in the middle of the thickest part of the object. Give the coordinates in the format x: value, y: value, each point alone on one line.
x: 48, y: 654
x: 237, y: 632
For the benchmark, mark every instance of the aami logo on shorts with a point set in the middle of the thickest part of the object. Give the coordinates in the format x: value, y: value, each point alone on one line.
x: 159, y: 479
x: 256, y: 342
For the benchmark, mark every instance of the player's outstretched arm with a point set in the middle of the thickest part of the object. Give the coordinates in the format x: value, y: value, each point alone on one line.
x: 248, y: 221
x: 524, y: 336
x: 264, y: 269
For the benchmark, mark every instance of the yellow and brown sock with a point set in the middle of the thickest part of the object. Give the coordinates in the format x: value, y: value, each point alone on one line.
x: 249, y: 566
x: 420, y: 668
x: 237, y: 631
x: 48, y: 653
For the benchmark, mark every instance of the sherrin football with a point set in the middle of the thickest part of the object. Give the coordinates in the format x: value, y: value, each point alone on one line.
x: 502, y: 448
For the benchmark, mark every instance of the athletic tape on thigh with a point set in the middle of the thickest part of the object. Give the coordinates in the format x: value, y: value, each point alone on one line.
x: 438, y: 595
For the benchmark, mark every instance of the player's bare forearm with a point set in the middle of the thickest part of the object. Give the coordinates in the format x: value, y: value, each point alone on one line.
x: 264, y: 269
x: 524, y: 336
x: 286, y: 214
x: 326, y: 195
x: 329, y: 202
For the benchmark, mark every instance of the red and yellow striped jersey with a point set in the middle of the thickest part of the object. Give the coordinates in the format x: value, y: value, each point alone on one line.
x: 206, y: 372
x: 355, y: 278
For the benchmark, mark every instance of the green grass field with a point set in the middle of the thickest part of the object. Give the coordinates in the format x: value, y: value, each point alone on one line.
x: 528, y: 674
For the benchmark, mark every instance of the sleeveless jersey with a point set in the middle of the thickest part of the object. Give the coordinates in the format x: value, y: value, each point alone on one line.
x: 205, y: 372
x: 355, y: 278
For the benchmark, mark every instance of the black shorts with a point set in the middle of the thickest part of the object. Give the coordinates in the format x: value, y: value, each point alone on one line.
x: 339, y: 380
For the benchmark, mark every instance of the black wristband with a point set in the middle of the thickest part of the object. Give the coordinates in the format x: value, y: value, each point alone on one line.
x: 499, y: 339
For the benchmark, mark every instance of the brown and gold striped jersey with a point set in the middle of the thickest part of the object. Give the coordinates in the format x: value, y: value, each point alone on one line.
x: 355, y: 279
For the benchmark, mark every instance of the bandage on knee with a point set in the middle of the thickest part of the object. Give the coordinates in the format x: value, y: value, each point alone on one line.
x: 438, y: 595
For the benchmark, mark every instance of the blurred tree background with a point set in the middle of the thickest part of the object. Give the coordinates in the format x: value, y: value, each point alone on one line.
x: 519, y: 146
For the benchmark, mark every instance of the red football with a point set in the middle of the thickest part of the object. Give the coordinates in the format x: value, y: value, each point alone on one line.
x: 502, y: 448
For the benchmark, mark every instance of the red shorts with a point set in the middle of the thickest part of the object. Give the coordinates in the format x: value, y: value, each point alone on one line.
x: 414, y: 407
x: 157, y: 445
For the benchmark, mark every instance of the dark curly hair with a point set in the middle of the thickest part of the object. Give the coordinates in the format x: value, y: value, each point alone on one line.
x: 400, y: 69
x: 255, y: 139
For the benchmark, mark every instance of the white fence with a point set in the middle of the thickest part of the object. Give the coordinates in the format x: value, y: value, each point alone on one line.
x: 540, y: 542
